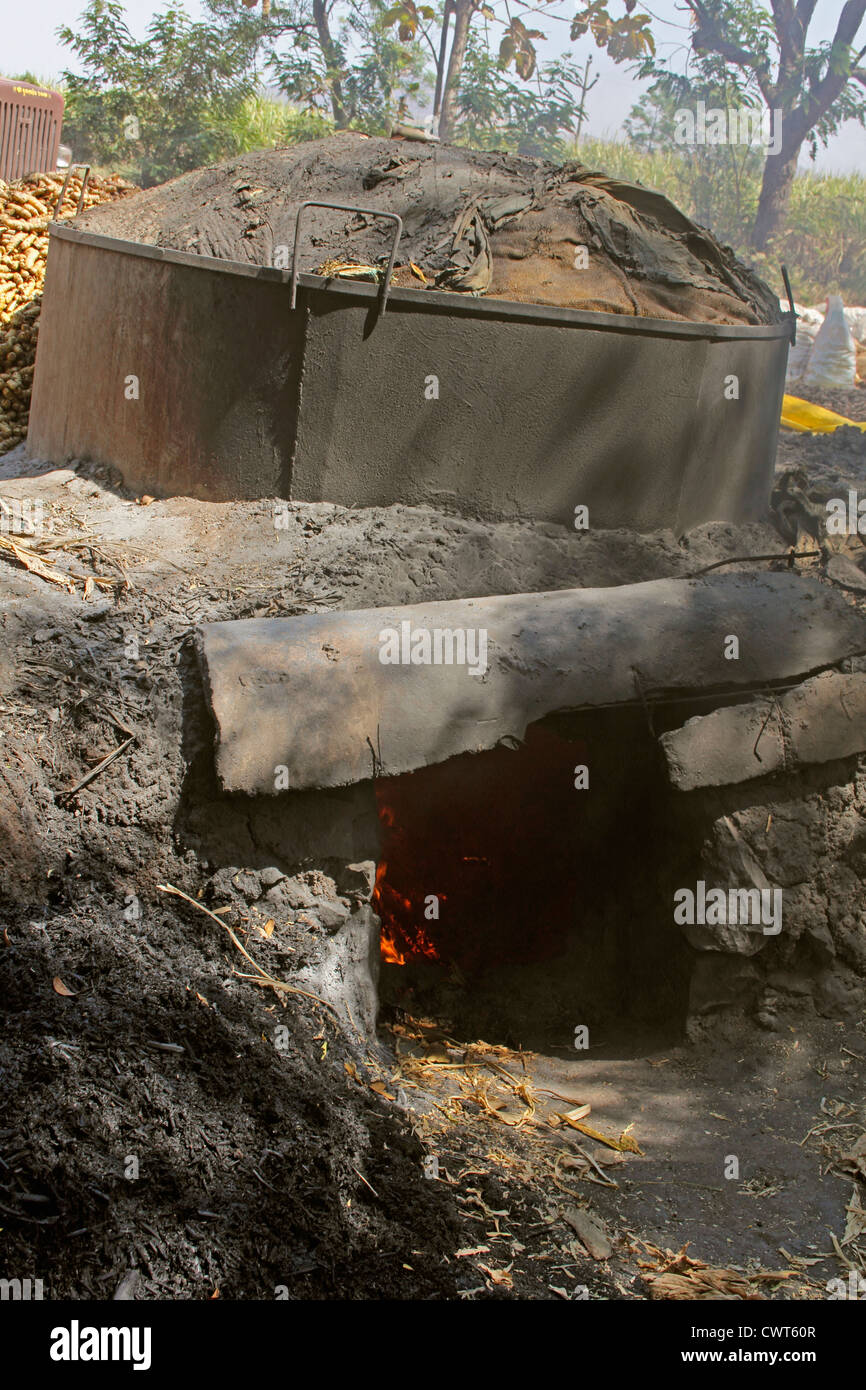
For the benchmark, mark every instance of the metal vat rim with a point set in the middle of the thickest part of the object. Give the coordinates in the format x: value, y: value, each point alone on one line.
x: 434, y: 299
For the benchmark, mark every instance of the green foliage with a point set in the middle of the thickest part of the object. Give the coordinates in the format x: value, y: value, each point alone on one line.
x: 495, y: 112
x: 385, y: 75
x: 850, y: 106
x: 344, y: 62
x: 763, y: 52
x: 824, y: 238
x: 178, y: 90
x: 194, y: 89
x: 718, y: 185
x: 738, y: 45
x: 309, y: 73
x: 491, y: 109
x: 261, y: 123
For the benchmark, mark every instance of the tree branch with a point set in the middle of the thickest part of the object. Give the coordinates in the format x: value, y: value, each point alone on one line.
x: 709, y: 37
x: 792, y: 39
x: 805, y: 11
x: 332, y: 57
x: 425, y: 34
x: 849, y: 22
x: 830, y: 87
x: 440, y: 62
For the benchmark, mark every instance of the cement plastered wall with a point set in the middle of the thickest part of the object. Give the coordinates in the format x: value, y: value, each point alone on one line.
x: 505, y: 417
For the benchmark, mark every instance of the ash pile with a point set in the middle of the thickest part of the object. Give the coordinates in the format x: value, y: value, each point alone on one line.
x: 481, y: 223
x: 130, y: 1000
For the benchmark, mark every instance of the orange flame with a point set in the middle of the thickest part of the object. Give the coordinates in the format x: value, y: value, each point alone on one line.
x: 401, y: 936
x: 389, y: 950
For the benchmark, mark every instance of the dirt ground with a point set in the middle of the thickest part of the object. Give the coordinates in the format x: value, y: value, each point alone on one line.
x: 169, y: 1123
x: 832, y: 463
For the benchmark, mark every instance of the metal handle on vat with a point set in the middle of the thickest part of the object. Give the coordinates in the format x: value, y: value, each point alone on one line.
x: 349, y: 207
x: 58, y: 205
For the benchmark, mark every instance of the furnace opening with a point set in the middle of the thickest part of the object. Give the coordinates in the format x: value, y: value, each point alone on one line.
x: 528, y: 890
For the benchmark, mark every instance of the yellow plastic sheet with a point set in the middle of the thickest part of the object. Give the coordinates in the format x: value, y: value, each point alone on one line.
x: 803, y: 416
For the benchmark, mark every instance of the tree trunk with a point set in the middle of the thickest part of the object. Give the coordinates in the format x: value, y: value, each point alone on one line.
x: 779, y: 172
x: 333, y: 62
x: 464, y: 10
x: 440, y: 62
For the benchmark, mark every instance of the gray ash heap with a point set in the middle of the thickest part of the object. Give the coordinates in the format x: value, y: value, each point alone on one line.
x: 482, y: 223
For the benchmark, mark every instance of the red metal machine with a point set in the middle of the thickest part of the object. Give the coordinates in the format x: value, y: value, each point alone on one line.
x: 30, y: 121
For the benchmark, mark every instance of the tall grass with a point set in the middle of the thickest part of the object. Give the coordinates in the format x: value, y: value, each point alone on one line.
x: 260, y: 122
x: 263, y: 123
x: 824, y: 241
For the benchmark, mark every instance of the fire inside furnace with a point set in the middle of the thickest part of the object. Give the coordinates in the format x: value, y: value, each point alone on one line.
x: 505, y: 870
x: 452, y: 884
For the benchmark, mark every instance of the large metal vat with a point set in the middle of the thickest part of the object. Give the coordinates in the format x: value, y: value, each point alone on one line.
x: 492, y: 407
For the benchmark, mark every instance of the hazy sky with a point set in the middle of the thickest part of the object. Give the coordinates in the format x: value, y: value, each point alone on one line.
x: 28, y: 42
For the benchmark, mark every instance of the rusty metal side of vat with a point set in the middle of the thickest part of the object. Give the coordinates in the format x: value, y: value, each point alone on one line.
x: 183, y: 377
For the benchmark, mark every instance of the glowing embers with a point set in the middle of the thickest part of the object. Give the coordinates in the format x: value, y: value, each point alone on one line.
x: 402, y: 936
x: 478, y: 861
